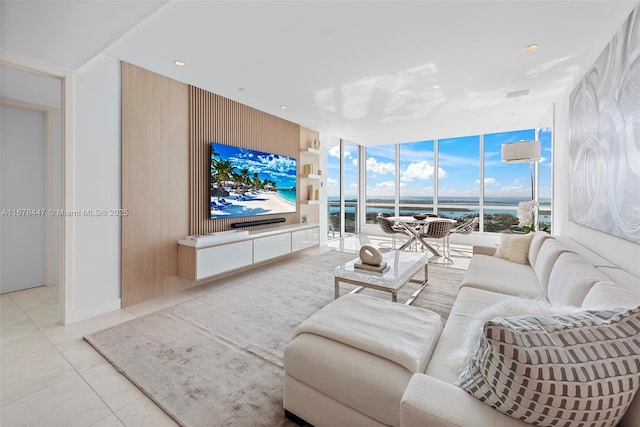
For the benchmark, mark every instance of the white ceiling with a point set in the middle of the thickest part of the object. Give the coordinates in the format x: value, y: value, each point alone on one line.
x: 360, y: 70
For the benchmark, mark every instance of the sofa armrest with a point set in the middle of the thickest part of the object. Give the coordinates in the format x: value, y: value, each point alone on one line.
x: 428, y: 401
x: 484, y: 250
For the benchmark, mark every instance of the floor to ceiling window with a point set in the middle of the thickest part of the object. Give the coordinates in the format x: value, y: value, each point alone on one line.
x: 459, y: 178
x: 505, y: 184
x: 381, y: 181
x: 458, y: 195
x: 333, y: 192
x: 545, y: 188
x: 350, y: 187
x: 417, y: 171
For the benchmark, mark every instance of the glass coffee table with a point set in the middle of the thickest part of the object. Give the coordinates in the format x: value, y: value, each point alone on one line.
x: 402, y: 266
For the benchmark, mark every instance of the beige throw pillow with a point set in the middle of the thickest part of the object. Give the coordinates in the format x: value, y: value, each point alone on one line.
x: 514, y: 247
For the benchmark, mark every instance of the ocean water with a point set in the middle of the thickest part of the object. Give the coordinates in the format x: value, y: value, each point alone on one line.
x: 417, y: 200
x: 288, y: 195
x: 510, y: 206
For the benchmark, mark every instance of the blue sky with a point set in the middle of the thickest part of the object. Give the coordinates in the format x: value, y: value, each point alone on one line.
x: 281, y: 169
x: 458, y: 168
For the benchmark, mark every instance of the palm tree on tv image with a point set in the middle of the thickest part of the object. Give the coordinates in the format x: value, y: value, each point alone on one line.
x: 244, y: 176
x: 255, y: 181
x: 221, y: 170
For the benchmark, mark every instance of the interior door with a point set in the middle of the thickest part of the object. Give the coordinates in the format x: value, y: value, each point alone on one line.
x: 22, y: 198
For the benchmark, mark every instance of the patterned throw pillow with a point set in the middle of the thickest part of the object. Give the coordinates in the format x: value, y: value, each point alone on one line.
x: 577, y: 369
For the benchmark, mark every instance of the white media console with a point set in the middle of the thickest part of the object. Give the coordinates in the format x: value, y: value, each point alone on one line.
x: 218, y: 254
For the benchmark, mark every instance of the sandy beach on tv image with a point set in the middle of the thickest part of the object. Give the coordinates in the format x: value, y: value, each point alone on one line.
x: 250, y: 203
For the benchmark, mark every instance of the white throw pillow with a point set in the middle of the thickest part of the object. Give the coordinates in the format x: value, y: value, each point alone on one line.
x: 514, y: 247
x: 573, y: 369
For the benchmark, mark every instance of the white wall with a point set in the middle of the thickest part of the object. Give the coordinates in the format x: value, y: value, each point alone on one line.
x: 620, y: 252
x: 96, y: 177
x: 22, y: 179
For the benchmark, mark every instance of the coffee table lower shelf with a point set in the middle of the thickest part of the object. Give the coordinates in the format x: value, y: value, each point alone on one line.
x: 393, y: 292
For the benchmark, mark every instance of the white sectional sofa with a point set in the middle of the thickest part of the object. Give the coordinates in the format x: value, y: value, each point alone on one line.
x: 330, y: 381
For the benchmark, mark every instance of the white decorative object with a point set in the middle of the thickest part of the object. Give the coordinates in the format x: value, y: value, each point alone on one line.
x: 604, y: 169
x: 370, y: 255
x: 527, y: 212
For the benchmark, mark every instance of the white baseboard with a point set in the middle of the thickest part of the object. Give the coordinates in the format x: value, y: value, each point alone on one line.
x: 88, y: 312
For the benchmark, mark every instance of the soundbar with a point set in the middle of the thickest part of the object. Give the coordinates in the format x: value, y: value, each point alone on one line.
x: 259, y: 222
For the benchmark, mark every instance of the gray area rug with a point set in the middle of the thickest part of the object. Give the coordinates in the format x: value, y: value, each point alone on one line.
x: 216, y: 360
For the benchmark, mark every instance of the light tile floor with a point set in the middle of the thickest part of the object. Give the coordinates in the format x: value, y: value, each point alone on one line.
x: 49, y: 376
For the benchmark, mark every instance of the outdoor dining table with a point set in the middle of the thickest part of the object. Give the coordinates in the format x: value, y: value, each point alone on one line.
x: 415, y: 227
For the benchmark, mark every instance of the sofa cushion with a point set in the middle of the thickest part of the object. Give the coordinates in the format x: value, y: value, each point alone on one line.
x: 571, y: 278
x: 514, y: 247
x: 499, y: 275
x: 505, y: 308
x: 360, y: 380
x: 536, y: 243
x: 606, y: 294
x: 403, y: 334
x: 561, y: 369
x: 591, y: 257
x: 469, y: 302
x: 620, y: 276
x: 547, y: 257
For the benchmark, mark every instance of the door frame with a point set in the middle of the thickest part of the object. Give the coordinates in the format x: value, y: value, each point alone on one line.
x: 66, y: 169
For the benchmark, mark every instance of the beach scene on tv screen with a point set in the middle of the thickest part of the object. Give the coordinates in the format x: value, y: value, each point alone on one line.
x: 246, y: 182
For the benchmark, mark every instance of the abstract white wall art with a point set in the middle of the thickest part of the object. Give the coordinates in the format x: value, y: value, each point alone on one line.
x: 605, y: 139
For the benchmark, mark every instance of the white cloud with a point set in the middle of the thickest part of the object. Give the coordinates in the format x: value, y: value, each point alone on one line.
x: 421, y: 170
x: 353, y: 186
x: 332, y: 182
x: 379, y: 168
x: 386, y: 185
x: 487, y: 181
x: 334, y: 151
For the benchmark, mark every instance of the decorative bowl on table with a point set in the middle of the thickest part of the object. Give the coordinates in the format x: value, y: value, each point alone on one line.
x: 420, y: 216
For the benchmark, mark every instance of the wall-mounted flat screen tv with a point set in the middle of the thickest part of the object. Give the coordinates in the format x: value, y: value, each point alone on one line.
x: 246, y: 182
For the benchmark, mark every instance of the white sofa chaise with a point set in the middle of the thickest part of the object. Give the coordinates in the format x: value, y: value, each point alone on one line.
x: 330, y: 381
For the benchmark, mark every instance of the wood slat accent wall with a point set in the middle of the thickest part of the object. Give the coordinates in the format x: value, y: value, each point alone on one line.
x: 215, y: 118
x: 155, y: 183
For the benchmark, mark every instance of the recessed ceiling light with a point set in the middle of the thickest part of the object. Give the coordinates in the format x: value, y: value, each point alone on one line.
x: 518, y: 93
x: 283, y: 107
x: 530, y: 47
x: 180, y: 63
x: 240, y: 89
x: 436, y: 86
